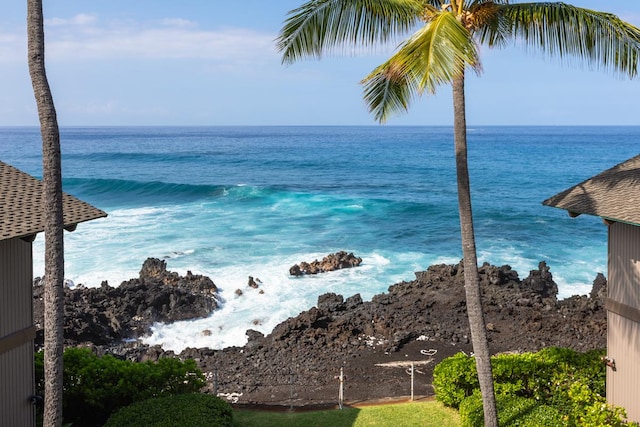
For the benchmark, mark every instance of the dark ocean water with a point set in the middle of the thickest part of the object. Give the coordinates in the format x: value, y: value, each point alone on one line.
x: 231, y: 202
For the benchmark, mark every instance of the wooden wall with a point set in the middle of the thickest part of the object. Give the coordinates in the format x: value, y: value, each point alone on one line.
x: 623, y: 325
x: 16, y: 334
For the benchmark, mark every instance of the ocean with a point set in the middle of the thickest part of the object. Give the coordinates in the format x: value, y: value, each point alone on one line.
x: 234, y: 202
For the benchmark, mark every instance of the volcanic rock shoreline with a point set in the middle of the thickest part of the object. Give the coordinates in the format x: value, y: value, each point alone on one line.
x: 107, y: 314
x: 373, y: 342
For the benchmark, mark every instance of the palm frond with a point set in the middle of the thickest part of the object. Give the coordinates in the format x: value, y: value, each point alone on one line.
x: 439, y: 52
x: 389, y: 89
x: 433, y: 56
x: 601, y: 39
x: 489, y: 24
x: 321, y: 25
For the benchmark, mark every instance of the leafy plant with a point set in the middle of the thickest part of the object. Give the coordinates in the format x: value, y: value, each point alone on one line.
x: 591, y: 409
x: 186, y: 410
x: 454, y: 379
x: 549, y: 382
x: 95, y: 386
x: 512, y: 411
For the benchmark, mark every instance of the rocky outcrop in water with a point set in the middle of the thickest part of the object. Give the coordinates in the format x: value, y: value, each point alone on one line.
x: 331, y: 262
x: 106, y: 314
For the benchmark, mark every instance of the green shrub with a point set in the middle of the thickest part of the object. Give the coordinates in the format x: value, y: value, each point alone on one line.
x: 559, y: 368
x: 591, y: 410
x: 185, y: 410
x: 512, y: 411
x: 95, y: 386
x: 454, y: 379
x: 545, y: 375
x: 572, y: 384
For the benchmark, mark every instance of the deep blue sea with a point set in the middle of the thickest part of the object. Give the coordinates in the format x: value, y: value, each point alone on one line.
x: 233, y: 202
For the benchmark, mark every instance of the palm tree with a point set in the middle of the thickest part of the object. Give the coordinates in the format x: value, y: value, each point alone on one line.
x: 442, y: 43
x: 52, y: 183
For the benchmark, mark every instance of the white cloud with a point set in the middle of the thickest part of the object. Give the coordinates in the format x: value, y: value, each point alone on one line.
x: 85, y: 37
x: 161, y: 43
x: 178, y: 22
x: 168, y: 39
x: 81, y: 19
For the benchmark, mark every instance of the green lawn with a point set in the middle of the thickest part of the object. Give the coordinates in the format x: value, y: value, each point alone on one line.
x: 423, y: 414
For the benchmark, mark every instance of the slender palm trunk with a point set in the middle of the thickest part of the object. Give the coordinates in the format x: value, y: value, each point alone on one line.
x: 471, y: 278
x: 52, y: 182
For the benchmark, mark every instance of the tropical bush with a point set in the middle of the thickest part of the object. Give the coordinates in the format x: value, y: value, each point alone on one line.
x: 512, y: 411
x: 96, y: 386
x: 185, y: 410
x: 591, y: 409
x: 552, y: 381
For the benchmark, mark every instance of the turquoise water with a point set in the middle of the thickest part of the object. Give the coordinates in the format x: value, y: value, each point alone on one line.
x: 233, y: 202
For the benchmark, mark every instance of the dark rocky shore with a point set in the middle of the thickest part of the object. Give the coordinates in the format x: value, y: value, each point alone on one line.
x: 374, y: 342
x: 108, y: 315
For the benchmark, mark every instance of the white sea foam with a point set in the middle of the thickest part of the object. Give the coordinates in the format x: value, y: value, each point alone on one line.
x: 282, y: 296
x: 567, y: 289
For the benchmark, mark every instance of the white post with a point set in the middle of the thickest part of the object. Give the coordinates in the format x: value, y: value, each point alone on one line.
x: 412, y: 370
x: 341, y: 391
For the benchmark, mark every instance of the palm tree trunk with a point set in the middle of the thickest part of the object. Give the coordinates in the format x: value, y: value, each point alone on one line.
x: 471, y: 278
x: 53, y: 232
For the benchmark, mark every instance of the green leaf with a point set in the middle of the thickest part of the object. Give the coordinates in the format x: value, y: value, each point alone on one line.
x: 321, y: 25
x: 433, y: 56
x: 574, y: 34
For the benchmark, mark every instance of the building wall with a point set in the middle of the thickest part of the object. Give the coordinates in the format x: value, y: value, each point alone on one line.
x: 16, y: 342
x: 623, y: 325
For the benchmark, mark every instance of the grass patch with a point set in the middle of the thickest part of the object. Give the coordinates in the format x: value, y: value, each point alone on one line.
x: 423, y: 414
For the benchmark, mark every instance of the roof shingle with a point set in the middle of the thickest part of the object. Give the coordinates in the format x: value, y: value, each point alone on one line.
x: 613, y: 194
x: 21, y: 203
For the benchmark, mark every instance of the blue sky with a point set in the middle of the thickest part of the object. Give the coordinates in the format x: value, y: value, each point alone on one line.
x: 212, y: 62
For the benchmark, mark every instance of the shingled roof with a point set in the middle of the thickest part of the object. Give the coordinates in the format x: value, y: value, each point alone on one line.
x: 21, y: 205
x: 613, y: 194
